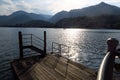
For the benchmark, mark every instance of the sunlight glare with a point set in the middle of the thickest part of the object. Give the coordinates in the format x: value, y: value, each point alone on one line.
x: 72, y: 33
x: 72, y: 36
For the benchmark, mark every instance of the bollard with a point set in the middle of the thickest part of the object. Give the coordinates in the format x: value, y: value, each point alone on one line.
x: 106, y: 67
x: 112, y: 44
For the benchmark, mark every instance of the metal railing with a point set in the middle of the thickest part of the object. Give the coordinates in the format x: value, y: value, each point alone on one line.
x: 107, y: 65
x: 31, y: 40
x: 61, y: 50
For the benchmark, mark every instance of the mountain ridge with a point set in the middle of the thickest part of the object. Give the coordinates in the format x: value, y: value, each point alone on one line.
x: 85, y: 18
x: 91, y: 11
x: 97, y: 22
x: 20, y: 17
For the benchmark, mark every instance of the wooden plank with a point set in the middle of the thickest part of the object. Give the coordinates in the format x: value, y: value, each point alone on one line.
x: 52, y: 72
x: 46, y: 74
x: 49, y: 69
x: 72, y: 69
x: 75, y: 70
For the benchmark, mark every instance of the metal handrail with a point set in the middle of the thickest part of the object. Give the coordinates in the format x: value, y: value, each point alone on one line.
x: 37, y: 37
x: 59, y: 48
x: 106, y: 68
x: 32, y: 39
x: 29, y: 41
x: 107, y: 65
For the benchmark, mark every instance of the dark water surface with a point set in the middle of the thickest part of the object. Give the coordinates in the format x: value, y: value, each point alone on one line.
x: 88, y: 46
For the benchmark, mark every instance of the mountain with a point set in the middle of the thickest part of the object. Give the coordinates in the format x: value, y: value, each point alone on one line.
x: 38, y: 23
x: 59, y: 16
x: 96, y: 10
x: 20, y: 17
x: 96, y: 22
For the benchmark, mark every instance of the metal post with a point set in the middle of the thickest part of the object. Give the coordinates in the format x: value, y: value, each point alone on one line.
x: 106, y: 67
x: 20, y: 45
x: 52, y: 47
x: 44, y: 43
x: 60, y: 49
x: 31, y: 39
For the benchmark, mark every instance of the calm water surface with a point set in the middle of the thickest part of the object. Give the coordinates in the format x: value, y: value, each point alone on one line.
x: 87, y: 46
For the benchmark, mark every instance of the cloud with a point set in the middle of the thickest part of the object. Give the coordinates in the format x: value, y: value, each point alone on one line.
x: 2, y: 2
x: 114, y: 2
x: 43, y: 6
x: 47, y: 6
x: 5, y: 6
x: 22, y: 5
x: 37, y: 6
x: 70, y: 4
x: 59, y: 5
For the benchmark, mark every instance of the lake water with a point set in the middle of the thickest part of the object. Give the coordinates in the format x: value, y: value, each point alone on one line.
x: 88, y: 46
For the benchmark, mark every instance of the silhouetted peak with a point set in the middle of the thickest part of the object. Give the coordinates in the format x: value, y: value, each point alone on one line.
x: 63, y: 11
x: 103, y: 4
x: 20, y: 12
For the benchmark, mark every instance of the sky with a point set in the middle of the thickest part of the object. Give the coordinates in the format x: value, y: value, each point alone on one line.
x: 50, y: 7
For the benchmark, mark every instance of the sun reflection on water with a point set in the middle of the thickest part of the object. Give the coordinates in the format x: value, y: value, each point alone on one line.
x: 73, y: 36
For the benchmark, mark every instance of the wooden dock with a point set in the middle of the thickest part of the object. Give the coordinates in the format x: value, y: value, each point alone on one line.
x: 52, y: 67
x: 47, y: 66
x: 57, y: 65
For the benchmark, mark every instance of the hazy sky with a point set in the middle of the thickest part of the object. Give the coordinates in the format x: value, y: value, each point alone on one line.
x: 48, y: 6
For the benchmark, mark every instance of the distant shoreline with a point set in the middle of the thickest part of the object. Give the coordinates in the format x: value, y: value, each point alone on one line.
x: 61, y: 28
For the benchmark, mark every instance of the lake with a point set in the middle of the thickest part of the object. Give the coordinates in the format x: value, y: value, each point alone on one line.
x: 87, y: 46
